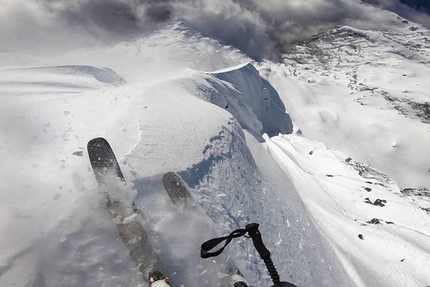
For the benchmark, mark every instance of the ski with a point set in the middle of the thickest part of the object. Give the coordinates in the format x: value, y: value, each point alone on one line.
x: 175, y: 188
x: 181, y: 197
x: 103, y: 160
x: 109, y: 178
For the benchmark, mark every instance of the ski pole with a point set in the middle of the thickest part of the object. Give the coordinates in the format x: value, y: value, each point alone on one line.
x: 255, y: 235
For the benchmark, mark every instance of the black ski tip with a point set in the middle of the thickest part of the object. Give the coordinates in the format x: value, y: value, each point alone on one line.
x: 102, y: 158
x: 171, y: 178
x: 175, y: 187
x: 95, y: 142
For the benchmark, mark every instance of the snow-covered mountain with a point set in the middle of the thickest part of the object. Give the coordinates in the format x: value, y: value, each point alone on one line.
x: 377, y: 82
x: 316, y: 127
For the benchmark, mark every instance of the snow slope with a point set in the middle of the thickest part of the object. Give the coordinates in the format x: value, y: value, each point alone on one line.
x: 365, y: 93
x: 149, y: 128
x: 387, y: 241
x: 225, y: 130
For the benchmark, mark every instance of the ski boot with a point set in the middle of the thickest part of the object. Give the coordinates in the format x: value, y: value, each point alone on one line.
x: 157, y: 279
x: 237, y: 280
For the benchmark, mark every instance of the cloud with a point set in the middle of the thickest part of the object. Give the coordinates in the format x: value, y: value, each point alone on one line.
x: 259, y: 28
x: 27, y: 26
x: 40, y: 26
x: 263, y: 28
x: 414, y: 10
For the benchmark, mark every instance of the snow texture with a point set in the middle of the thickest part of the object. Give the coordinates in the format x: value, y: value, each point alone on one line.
x: 317, y: 148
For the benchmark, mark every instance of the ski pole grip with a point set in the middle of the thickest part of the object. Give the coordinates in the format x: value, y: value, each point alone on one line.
x: 255, y: 235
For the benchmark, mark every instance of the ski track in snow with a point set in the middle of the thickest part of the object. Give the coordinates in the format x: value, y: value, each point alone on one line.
x: 226, y: 133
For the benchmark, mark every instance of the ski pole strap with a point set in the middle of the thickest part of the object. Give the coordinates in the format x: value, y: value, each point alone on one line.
x: 212, y: 243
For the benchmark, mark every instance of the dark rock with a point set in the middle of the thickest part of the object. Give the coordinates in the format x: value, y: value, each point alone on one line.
x: 423, y: 191
x: 380, y: 202
x: 374, y: 221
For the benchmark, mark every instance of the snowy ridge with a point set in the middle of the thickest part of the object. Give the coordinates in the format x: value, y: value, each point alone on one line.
x: 248, y: 97
x: 161, y: 55
x: 56, y: 79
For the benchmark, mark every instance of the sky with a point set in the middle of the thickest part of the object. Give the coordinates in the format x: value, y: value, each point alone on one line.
x: 48, y: 26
